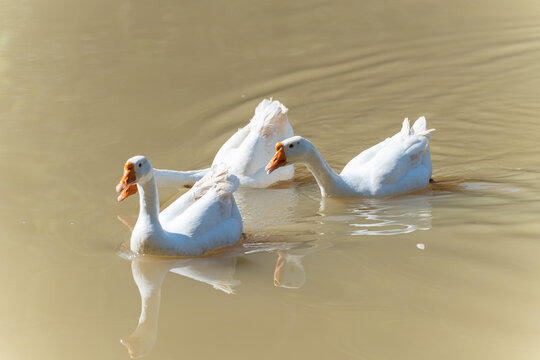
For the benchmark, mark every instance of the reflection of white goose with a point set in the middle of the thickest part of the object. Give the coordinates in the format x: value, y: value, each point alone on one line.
x: 217, y: 271
x: 149, y: 273
x: 289, y: 272
x: 380, y: 216
x: 247, y: 152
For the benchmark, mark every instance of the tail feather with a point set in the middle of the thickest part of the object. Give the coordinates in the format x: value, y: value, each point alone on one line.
x: 419, y: 127
x: 267, y: 115
x: 405, y: 128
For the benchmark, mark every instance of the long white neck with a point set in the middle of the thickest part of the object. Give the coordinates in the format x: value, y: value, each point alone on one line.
x: 330, y: 183
x: 178, y: 179
x: 148, y: 234
x: 149, y: 202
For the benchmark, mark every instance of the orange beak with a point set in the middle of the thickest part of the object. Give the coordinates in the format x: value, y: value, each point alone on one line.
x: 126, y: 185
x: 278, y: 160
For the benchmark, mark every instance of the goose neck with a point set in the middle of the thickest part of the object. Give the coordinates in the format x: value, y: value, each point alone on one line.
x: 149, y: 201
x: 328, y: 180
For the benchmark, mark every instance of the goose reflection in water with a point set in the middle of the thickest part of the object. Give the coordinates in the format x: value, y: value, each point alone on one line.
x: 149, y: 273
x: 289, y: 272
x: 397, y: 215
x: 217, y: 271
x: 389, y: 216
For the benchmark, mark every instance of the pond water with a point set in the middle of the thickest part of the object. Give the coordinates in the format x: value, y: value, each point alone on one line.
x: 451, y: 272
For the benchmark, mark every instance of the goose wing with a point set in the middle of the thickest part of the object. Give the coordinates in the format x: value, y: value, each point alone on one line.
x: 394, y: 158
x: 209, y: 215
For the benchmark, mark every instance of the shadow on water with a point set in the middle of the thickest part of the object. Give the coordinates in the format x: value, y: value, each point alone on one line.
x: 217, y: 271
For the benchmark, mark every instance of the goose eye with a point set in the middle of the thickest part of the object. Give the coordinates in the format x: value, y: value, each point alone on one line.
x: 292, y: 145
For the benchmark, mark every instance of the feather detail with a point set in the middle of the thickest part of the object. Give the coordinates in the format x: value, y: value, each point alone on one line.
x: 420, y: 127
x: 218, y: 178
x: 405, y: 128
x: 269, y: 115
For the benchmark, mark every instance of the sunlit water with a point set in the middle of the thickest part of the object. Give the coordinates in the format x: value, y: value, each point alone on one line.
x: 451, y: 272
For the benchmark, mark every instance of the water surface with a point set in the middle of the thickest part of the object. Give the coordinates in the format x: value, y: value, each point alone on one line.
x: 451, y: 272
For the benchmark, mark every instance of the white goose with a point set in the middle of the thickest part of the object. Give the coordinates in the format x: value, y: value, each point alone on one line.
x: 204, y: 218
x: 246, y: 152
x: 397, y: 165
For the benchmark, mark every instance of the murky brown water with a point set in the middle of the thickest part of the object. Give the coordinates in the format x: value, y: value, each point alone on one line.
x: 452, y: 272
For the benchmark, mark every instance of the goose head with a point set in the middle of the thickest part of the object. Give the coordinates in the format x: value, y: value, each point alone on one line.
x: 137, y: 170
x: 290, y: 150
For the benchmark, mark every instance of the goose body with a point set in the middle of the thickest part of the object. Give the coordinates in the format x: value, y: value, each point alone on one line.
x: 204, y: 218
x: 397, y: 165
x: 246, y: 152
